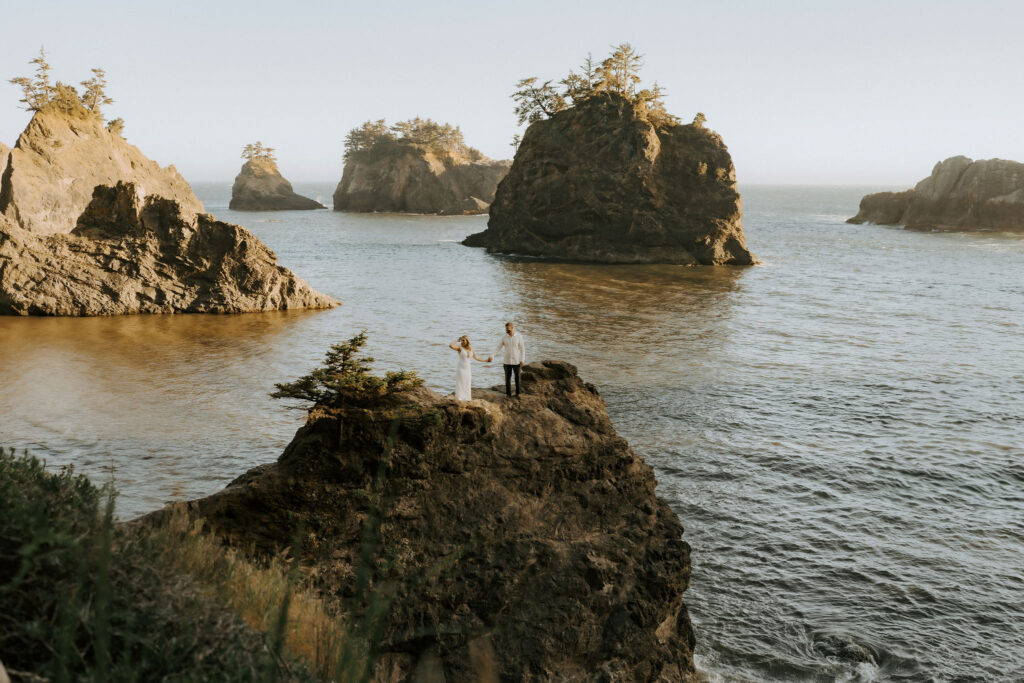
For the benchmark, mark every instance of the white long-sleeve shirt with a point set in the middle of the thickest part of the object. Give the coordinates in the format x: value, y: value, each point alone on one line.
x: 512, y: 348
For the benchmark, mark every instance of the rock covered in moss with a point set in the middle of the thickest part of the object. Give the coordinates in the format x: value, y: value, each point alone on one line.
x: 603, y: 182
x: 520, y: 539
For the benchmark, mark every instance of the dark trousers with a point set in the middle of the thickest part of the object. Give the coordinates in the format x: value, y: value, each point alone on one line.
x: 509, y: 370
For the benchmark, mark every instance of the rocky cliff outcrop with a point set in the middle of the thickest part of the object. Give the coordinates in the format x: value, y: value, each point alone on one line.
x: 259, y: 186
x: 601, y: 182
x: 131, y: 253
x: 62, y: 155
x: 5, y: 152
x: 413, y: 180
x: 519, y: 539
x: 960, y: 194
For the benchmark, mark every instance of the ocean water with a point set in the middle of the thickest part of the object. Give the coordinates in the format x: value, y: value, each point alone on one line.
x: 841, y: 429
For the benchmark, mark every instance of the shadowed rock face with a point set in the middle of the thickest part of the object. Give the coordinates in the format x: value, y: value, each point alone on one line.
x: 600, y: 183
x: 522, y: 540
x: 58, y: 160
x: 259, y: 186
x: 5, y: 151
x: 960, y: 194
x: 412, y: 180
x: 134, y: 254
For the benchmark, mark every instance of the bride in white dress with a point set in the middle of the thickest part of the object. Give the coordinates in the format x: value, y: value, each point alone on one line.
x: 463, y: 374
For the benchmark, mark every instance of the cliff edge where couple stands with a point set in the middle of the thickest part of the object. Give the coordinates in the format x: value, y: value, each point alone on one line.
x: 517, y: 539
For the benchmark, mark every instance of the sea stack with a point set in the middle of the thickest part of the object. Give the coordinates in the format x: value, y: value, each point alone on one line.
x: 960, y: 194
x: 415, y: 166
x: 90, y: 226
x: 518, y: 540
x: 259, y: 186
x: 605, y: 181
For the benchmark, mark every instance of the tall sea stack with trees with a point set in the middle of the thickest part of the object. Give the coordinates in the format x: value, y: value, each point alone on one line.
x: 90, y: 226
x: 415, y: 166
x: 259, y: 186
x: 605, y: 174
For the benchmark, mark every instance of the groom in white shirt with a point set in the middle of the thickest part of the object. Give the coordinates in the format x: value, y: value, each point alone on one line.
x: 513, y: 352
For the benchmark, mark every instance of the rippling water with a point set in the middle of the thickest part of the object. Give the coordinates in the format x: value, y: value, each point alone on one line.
x: 840, y: 429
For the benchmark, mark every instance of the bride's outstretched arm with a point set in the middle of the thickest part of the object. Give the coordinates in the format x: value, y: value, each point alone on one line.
x: 482, y: 360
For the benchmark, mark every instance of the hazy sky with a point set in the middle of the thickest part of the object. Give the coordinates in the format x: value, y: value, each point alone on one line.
x: 802, y: 92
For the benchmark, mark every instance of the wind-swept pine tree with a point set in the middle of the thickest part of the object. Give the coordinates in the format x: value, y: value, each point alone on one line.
x: 95, y: 95
x: 36, y: 91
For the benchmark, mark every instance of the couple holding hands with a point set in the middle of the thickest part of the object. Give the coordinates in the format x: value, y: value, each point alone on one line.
x: 513, y: 352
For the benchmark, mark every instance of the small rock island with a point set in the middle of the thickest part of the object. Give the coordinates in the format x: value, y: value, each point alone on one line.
x: 90, y: 226
x: 415, y: 166
x: 510, y: 540
x: 259, y: 186
x: 604, y: 174
x: 960, y: 194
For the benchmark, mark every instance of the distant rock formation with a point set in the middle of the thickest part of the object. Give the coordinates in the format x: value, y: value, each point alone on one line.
x: 417, y: 181
x: 520, y: 540
x: 131, y: 253
x: 259, y: 186
x: 601, y: 182
x: 62, y: 155
x: 960, y: 194
x: 415, y: 166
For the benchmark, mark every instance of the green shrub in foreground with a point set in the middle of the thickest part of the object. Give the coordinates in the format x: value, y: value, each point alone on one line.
x: 84, y: 600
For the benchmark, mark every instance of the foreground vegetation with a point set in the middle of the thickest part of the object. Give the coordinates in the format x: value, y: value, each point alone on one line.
x: 85, y: 599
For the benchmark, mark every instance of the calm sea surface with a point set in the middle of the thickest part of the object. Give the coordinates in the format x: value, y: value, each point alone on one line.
x: 840, y: 429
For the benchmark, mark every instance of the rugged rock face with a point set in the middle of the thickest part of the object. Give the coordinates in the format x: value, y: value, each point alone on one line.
x: 135, y: 254
x: 5, y: 152
x: 417, y: 181
x: 960, y: 194
x: 521, y: 540
x: 599, y: 182
x: 259, y: 186
x: 62, y: 156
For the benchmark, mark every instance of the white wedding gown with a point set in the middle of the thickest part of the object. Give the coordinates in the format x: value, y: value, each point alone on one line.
x: 463, y: 377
